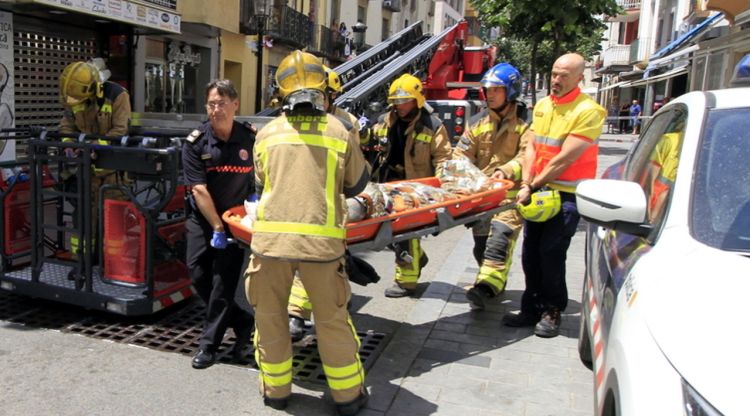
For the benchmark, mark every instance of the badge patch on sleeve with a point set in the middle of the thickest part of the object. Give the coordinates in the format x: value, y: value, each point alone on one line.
x: 243, y: 154
x: 206, y: 156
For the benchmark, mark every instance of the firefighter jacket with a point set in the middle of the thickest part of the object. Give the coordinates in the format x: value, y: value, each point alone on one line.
x: 106, y: 116
x: 306, y: 163
x: 426, y: 146
x: 345, y: 115
x: 556, y: 119
x: 493, y: 143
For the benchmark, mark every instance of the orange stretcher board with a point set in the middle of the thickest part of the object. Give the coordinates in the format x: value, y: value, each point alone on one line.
x: 377, y: 233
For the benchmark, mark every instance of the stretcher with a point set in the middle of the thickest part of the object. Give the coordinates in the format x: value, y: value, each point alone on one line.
x: 378, y: 233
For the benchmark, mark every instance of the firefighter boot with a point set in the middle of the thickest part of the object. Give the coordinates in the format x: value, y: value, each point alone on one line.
x: 353, y: 407
x: 204, y: 358
x: 276, y: 404
x: 398, y: 290
x: 296, y: 328
x: 478, y: 296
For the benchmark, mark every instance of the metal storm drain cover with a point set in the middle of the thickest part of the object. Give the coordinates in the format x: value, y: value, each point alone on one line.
x: 176, y: 329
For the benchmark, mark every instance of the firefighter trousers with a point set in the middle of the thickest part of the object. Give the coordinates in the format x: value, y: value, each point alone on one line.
x: 299, y: 301
x: 494, y: 252
x: 408, y: 272
x: 268, y: 285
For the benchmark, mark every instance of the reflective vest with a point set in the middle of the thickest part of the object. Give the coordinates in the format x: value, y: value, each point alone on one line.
x: 305, y: 163
x: 662, y: 171
x: 555, y: 120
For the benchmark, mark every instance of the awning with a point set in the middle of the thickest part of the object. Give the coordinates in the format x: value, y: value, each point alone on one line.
x: 615, y: 85
x: 669, y: 74
x: 730, y: 8
x: 655, y: 63
x: 690, y: 34
x: 125, y: 11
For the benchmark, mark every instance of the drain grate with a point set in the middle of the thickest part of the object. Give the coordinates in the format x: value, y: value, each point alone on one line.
x: 176, y: 330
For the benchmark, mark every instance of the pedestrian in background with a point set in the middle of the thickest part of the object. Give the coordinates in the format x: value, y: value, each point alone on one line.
x: 635, y: 117
x: 413, y: 143
x: 566, y: 128
x: 218, y: 166
x: 495, y: 142
x: 307, y: 162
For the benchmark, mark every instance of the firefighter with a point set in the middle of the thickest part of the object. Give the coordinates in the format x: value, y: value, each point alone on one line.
x: 495, y: 142
x: 307, y: 162
x: 566, y: 126
x: 413, y: 143
x: 299, y: 302
x: 91, y: 106
x: 218, y: 166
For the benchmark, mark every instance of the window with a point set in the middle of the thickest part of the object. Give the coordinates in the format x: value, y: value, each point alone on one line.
x: 654, y: 162
x: 720, y: 203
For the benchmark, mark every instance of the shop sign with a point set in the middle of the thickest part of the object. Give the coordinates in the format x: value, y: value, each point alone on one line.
x: 122, y: 11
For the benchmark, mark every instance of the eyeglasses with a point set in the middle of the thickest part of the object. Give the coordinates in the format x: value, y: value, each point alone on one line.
x: 213, y: 105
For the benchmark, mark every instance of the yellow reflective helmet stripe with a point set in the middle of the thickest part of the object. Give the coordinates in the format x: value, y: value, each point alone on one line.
x: 298, y: 228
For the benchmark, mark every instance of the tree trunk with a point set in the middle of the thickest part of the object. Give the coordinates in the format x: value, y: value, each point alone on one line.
x: 534, y: 49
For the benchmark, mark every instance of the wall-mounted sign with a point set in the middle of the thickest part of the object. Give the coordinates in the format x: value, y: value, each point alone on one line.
x: 166, y: 4
x: 122, y: 11
x: 7, y: 147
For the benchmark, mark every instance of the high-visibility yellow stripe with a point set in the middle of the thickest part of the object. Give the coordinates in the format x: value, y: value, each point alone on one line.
x: 548, y: 141
x: 277, y: 368
x: 317, y: 140
x: 332, y: 165
x: 298, y: 228
x: 341, y: 372
x: 78, y: 108
x: 260, y: 213
x: 277, y: 381
x: 516, y: 169
x: 483, y: 128
x: 346, y: 383
x: 410, y: 273
x: 106, y: 108
x: 304, y: 126
x: 422, y: 137
x: 382, y: 132
x: 299, y: 298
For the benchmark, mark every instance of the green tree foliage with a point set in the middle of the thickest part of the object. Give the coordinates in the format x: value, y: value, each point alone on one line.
x: 544, y: 29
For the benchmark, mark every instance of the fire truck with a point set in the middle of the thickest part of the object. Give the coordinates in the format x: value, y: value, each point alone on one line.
x: 131, y: 261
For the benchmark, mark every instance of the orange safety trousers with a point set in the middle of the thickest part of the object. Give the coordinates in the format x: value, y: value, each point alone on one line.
x: 268, y: 285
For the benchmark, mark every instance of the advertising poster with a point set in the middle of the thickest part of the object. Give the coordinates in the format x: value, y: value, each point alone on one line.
x: 7, y: 147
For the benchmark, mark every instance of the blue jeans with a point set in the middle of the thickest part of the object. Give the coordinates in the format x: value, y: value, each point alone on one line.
x: 545, y: 247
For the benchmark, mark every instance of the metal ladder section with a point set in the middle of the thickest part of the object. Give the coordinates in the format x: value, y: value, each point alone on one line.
x: 358, y: 69
x: 375, y: 87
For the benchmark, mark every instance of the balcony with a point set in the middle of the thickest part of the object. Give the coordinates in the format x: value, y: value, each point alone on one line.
x: 639, y: 50
x: 327, y: 42
x: 614, y: 59
x: 392, y: 5
x: 285, y: 25
x: 631, y: 11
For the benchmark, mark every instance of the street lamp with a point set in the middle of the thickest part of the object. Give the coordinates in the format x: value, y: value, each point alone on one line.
x: 261, y: 15
x: 359, y: 29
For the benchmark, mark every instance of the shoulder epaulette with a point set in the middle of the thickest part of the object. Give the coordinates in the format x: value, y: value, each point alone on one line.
x: 248, y: 125
x: 194, y: 136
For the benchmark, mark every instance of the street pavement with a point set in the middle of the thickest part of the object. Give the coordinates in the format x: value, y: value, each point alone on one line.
x: 440, y: 357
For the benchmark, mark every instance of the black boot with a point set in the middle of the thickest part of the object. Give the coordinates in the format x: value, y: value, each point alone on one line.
x: 296, y: 328
x: 353, y: 407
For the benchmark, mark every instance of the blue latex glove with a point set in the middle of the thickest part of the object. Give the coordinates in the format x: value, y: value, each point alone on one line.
x: 219, y: 240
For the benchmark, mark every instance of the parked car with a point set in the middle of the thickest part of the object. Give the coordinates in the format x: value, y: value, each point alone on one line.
x: 665, y: 315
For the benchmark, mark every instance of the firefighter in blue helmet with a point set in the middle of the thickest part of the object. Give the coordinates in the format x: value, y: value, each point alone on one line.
x: 495, y: 141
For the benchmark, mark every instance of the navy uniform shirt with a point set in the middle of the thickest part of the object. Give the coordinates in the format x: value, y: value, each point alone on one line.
x: 226, y: 168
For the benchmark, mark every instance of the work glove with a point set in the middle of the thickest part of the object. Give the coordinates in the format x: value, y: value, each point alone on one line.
x: 219, y: 240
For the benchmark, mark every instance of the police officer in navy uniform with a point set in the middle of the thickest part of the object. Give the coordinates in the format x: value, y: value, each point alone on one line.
x: 218, y: 166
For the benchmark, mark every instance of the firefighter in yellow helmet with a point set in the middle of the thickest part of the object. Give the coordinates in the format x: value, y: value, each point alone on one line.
x: 495, y: 142
x: 300, y: 307
x: 91, y: 106
x: 413, y: 144
x: 307, y: 162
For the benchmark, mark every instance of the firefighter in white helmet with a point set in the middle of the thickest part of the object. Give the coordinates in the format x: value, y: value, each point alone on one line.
x: 413, y: 144
x: 307, y: 162
x: 92, y: 106
x: 495, y: 142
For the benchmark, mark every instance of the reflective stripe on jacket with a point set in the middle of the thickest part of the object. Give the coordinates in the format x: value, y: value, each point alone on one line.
x: 427, y: 143
x: 306, y: 163
x: 578, y: 116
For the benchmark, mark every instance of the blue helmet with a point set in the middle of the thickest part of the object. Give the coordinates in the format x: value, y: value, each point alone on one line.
x: 504, y: 75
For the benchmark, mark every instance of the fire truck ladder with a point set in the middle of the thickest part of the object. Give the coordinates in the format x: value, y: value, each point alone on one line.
x: 374, y: 89
x: 364, y: 64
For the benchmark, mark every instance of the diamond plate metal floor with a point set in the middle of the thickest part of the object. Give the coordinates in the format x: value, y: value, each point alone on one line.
x: 176, y: 330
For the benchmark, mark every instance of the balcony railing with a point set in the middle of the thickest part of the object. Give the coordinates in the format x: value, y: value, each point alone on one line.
x: 616, y: 55
x: 290, y: 26
x: 629, y: 4
x: 327, y: 42
x: 639, y: 50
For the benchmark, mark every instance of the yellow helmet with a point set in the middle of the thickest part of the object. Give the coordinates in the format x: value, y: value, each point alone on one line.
x: 79, y: 82
x: 334, y: 82
x: 542, y: 206
x: 405, y: 88
x: 300, y: 71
